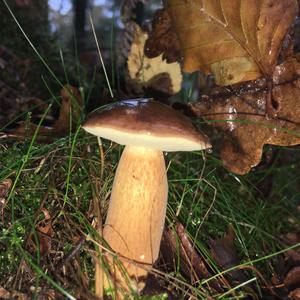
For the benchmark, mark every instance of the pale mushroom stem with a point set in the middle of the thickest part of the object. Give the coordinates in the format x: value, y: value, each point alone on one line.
x: 136, y: 213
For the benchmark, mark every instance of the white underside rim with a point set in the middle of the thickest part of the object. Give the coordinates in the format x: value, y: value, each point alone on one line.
x: 163, y: 143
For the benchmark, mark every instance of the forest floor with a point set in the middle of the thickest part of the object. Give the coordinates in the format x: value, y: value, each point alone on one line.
x: 226, y: 236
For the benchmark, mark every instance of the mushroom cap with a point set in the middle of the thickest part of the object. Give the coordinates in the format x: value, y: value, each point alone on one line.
x: 146, y: 123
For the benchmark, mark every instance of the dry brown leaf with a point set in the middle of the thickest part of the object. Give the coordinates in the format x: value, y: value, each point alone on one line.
x: 176, y: 247
x: 163, y: 39
x: 69, y: 115
x: 293, y: 255
x: 239, y: 113
x: 45, y: 232
x: 295, y: 294
x: 71, y: 108
x: 286, y: 279
x: 152, y: 72
x: 292, y: 278
x: 5, y: 186
x: 224, y: 252
x: 5, y: 294
x: 234, y: 40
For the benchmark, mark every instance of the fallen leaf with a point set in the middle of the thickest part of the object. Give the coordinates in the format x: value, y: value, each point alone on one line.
x: 70, y: 111
x: 239, y: 113
x: 69, y: 116
x: 286, y: 279
x: 195, y: 260
x: 176, y: 248
x: 234, y: 40
x: 295, y: 294
x: 163, y: 39
x: 45, y: 233
x: 224, y: 252
x: 292, y: 278
x: 5, y: 294
x: 5, y: 186
x: 293, y: 255
x: 152, y: 72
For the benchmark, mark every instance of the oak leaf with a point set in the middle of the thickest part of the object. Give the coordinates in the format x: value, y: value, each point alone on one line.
x: 239, y: 113
x: 235, y: 40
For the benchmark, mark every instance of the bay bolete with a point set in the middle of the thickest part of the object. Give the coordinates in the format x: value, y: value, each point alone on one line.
x: 137, y: 209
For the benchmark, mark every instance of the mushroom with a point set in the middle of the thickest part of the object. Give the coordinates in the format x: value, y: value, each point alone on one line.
x: 136, y: 214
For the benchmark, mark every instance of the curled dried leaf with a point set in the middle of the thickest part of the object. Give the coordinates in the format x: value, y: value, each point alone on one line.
x: 69, y: 115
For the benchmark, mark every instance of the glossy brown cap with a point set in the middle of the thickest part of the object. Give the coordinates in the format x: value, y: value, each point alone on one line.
x: 146, y: 123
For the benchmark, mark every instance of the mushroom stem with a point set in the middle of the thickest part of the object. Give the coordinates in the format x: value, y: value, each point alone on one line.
x: 136, y: 215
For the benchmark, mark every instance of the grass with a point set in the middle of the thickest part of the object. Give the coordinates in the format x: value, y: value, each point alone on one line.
x: 64, y: 178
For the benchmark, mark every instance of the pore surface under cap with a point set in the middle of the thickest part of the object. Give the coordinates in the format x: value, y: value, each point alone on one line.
x: 146, y: 123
